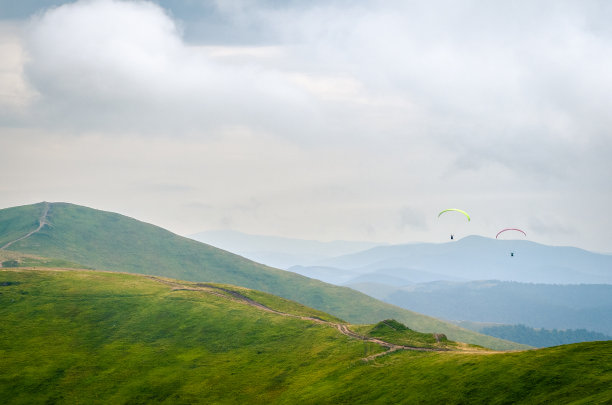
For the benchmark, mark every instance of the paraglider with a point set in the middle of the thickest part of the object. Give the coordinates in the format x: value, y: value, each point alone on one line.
x: 510, y: 229
x: 457, y: 210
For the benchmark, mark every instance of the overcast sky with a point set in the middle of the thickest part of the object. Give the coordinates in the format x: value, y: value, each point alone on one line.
x: 353, y: 120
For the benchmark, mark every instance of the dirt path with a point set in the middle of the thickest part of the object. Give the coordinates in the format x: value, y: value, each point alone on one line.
x: 41, y: 222
x: 237, y: 297
x: 342, y: 328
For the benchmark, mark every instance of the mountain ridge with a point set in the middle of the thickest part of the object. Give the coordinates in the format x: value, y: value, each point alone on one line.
x: 109, y: 241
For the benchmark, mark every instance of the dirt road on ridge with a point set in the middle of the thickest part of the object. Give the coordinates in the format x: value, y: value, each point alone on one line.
x: 342, y: 328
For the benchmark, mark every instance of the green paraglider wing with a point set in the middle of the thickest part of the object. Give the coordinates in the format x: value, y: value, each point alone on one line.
x: 455, y: 209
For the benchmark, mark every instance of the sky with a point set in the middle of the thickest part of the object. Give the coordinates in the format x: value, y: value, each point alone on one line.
x: 325, y: 120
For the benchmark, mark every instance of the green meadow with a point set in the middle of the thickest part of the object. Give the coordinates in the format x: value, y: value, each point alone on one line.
x: 76, y: 336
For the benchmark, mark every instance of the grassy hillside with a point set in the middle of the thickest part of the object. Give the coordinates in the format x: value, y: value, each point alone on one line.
x: 103, y: 337
x: 18, y: 221
x: 108, y: 241
x: 396, y: 332
x: 17, y: 259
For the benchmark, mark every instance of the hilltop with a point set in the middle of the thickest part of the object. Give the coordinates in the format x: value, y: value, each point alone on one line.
x: 71, y: 336
x: 108, y: 241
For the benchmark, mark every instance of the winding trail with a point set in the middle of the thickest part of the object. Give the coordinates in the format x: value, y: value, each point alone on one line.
x: 42, y: 221
x: 342, y: 328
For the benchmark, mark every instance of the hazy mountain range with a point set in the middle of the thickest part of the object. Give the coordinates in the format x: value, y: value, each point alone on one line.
x: 475, y: 258
x: 277, y: 251
x: 580, y: 306
x: 469, y: 258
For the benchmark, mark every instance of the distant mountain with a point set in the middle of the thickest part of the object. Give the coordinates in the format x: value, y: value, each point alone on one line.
x: 584, y: 306
x: 330, y: 275
x: 277, y: 251
x: 537, y: 337
x: 473, y: 258
x: 108, y: 241
x: 543, y: 337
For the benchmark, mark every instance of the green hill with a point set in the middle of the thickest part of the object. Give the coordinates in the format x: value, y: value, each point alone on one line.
x: 103, y: 337
x: 109, y: 241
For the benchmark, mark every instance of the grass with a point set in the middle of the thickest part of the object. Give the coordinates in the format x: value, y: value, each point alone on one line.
x: 18, y: 221
x: 108, y: 241
x: 579, y: 373
x: 18, y: 259
x: 280, y: 304
x: 122, y: 337
x: 395, y: 332
x: 102, y: 337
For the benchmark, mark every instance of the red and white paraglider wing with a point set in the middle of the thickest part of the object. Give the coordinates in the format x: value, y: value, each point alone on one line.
x: 510, y: 229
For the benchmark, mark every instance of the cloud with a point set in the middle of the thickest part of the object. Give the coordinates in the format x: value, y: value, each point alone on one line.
x: 469, y: 77
x: 112, y: 64
x: 548, y: 225
x: 524, y: 86
x: 411, y: 218
x: 15, y: 93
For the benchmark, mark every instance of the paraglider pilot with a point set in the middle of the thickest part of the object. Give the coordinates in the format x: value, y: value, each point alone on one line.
x: 452, y: 236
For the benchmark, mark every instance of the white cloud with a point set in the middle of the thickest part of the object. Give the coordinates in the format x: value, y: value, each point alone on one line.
x: 115, y: 65
x: 15, y: 93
